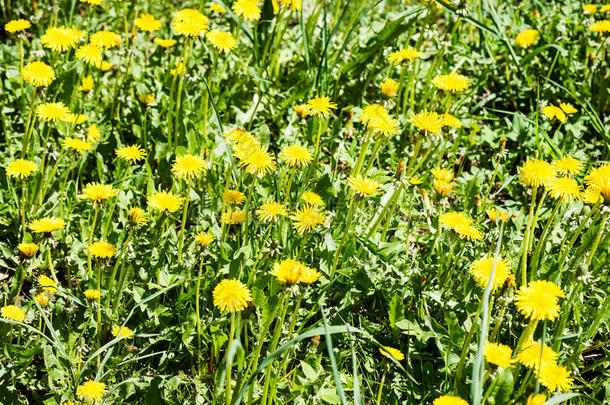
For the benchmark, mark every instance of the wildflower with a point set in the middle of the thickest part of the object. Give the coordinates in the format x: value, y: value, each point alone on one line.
x: 599, y: 179
x: 21, y: 168
x: 76, y: 119
x: 495, y: 214
x: 231, y: 295
x: 60, y: 39
x: 391, y: 353
x: 105, y: 66
x: 312, y: 198
x: 451, y: 121
x: 460, y: 223
x: 122, y: 332
x: 538, y: 399
x: 247, y: 9
x: 591, y: 195
x: 46, y: 225
x: 449, y: 400
x: 222, y: 41
x: 91, y: 54
x: 555, y: 377
x: 601, y: 26
x: 427, y: 121
x: 217, y: 8
x: 453, y: 82
x: 295, y: 5
x: 91, y: 390
x: 389, y: 87
x: 86, y: 84
x: 404, y: 54
x: 17, y: 25
x: 93, y: 294
x: 377, y: 118
x: 130, y: 154
x: 551, y: 111
x: 258, y: 162
x: 538, y: 300
x: 363, y: 186
x: 307, y: 218
x: 47, y: 284
x: 296, y: 155
x: 165, y: 201
x: 92, y: 2
x: 498, y: 354
x: 442, y: 187
x: 536, y: 173
x: 204, y: 239
x: 482, y: 268
x: 568, y: 108
x: 320, y: 106
x: 302, y: 110
x: 567, y: 166
x: 101, y: 249
x: 165, y: 43
x: 42, y: 299
x: 105, y: 39
x: 12, y: 312
x: 565, y: 189
x: 290, y: 271
x: 77, y: 144
x: 233, y: 197
x: 233, y: 217
x: 38, y: 74
x: 148, y: 22
x: 146, y: 98
x: 270, y: 211
x: 589, y: 8
x: 469, y: 232
x: 190, y: 22
x: 28, y: 249
x: 415, y: 180
x: 188, y: 167
x: 526, y: 38
x: 98, y: 192
x: 442, y: 174
x: 605, y: 8
x: 530, y: 355
x: 137, y: 216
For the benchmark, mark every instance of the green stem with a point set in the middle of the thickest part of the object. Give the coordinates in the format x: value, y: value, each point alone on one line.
x: 91, y: 232
x: 229, y: 362
x: 524, y: 246
x: 118, y: 262
x: 29, y: 124
x: 114, y: 203
x: 350, y: 216
x: 184, y: 214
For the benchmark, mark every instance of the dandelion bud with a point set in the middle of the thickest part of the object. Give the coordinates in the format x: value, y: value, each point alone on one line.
x: 400, y: 167
x: 502, y: 144
x: 42, y: 299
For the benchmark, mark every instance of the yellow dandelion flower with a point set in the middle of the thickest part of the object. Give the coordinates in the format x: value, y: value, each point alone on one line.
x: 589, y: 8
x: 454, y: 219
x: 567, y: 166
x: 389, y: 87
x: 415, y: 180
x: 92, y: 294
x: 453, y: 82
x: 536, y: 173
x: 93, y: 133
x: 538, y: 399
x: 567, y: 108
x: 565, y: 189
x: 296, y: 155
x: 363, y: 186
x: 146, y: 98
x: 539, y: 300
x: 101, y: 249
x: 217, y: 8
x: 189, y: 22
x: 551, y: 111
x: 148, y: 22
x: 188, y: 167
x: 442, y: 187
x: 391, y: 353
x: 122, y: 332
x: 231, y: 295
x: 47, y: 225
x: 288, y: 271
x: 377, y: 118
x: 233, y: 197
x: 306, y: 219
x: 320, y: 106
x: 130, y: 154
x: 604, y: 8
x: 469, y: 232
x: 91, y: 54
x: 449, y: 400
x: 495, y: 214
x: 105, y: 66
x: 28, y: 249
x: 481, y: 271
x: 270, y: 211
x: 86, y: 84
x: 222, y: 41
x: 21, y: 168
x: 105, y: 39
x: 302, y: 110
x: 309, y: 276
x: 47, y: 284
x: 258, y: 162
x: 451, y: 121
x: 98, y: 192
x: 92, y: 2
x: 530, y: 355
x: 38, y: 74
x: 17, y: 25
x: 247, y: 9
x: 42, y: 299
x: 312, y: 198
x: 233, y: 217
x: 165, y: 201
x: 599, y: 179
x: 91, y: 390
x: 12, y: 312
x: 592, y: 195
x: 137, y: 216
x: 602, y: 26
x: 404, y: 54
x: 76, y: 144
x: 498, y: 354
x: 526, y: 38
x: 555, y: 377
x: 427, y: 121
x: 204, y: 239
x: 295, y: 5
x: 165, y: 43
x: 60, y: 39
x: 75, y: 119
x: 442, y: 174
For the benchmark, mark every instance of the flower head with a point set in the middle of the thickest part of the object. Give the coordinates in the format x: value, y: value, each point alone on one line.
x: 91, y: 54
x: 137, y: 216
x: 47, y: 284
x: 442, y: 174
x: 101, y: 249
x: 75, y: 119
x: 233, y: 217
x: 38, y: 74
x: 363, y: 186
x: 599, y: 179
x: 233, y: 197
x: 98, y: 192
x: 17, y: 25
x: 296, y: 155
x: 165, y: 201
x: 377, y: 118
x: 391, y: 353
x: 498, y: 354
x: 588, y: 9
x: 404, y: 54
x: 592, y: 195
x: 526, y: 38
x: 204, y: 239
x: 453, y: 82
x: 131, y: 153
x: 91, y: 390
x: 302, y: 110
x: 148, y: 22
x: 389, y: 87
x: 539, y: 300
x: 165, y: 43
x: 567, y: 166
x: 291, y: 272
x: 431, y: 122
x: 565, y: 189
x: 567, y: 108
x: 530, y: 355
x: 92, y: 294
x: 257, y: 161
x: 122, y: 332
x: 270, y: 211
x: 551, y: 111
x: 28, y: 249
x: 449, y: 400
x: 460, y: 223
x: 482, y: 268
x: 189, y: 22
x: 535, y: 173
x: 495, y: 214
x: 451, y: 121
x: 600, y: 26
x: 46, y: 224
x: 21, y: 168
x: 42, y: 299
x: 308, y: 218
x: 12, y: 312
x: 217, y: 8
x: 312, y: 198
x: 60, y: 39
x: 86, y: 84
x: 222, y: 41
x: 231, y: 295
x: 555, y: 377
x: 76, y: 144
x: 105, y: 39
x: 320, y: 106
x: 442, y: 187
x: 247, y: 9
x: 188, y: 167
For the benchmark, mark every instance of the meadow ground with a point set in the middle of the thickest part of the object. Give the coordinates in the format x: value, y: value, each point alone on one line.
x: 304, y: 202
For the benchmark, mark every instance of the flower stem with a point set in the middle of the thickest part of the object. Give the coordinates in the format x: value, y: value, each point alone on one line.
x: 91, y: 232
x: 229, y: 362
x: 350, y: 216
x: 184, y: 214
x: 29, y: 124
x: 524, y: 246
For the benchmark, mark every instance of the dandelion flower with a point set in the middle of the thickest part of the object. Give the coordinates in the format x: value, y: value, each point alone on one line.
x: 538, y: 300
x: 47, y: 284
x: 555, y: 377
x: 60, y: 39
x: 567, y: 166
x: 302, y: 110
x: 165, y: 43
x: 312, y: 198
x: 105, y: 39
x: 258, y: 162
x: 320, y: 106
x: 42, y: 299
x: 377, y: 118
x: 122, y: 332
x: 568, y: 108
x: 392, y: 353
x: 188, y: 167
x: 28, y: 249
x: 288, y: 271
x: 449, y: 400
x: 605, y: 8
x: 231, y: 295
x: 180, y: 68
x: 451, y: 121
x: 295, y: 5
x: 92, y: 2
x: 453, y: 82
x: 270, y: 211
x: 482, y: 268
x: 526, y: 38
x: 247, y: 9
x: 538, y: 399
x: 454, y: 219
x: 495, y: 214
x: 137, y: 216
x: 204, y: 239
x: 17, y: 25
x: 13, y: 312
x: 530, y: 355
x: 93, y: 133
x: 87, y: 84
x: 589, y: 8
x: 389, y: 87
x: 591, y: 195
x: 498, y: 354
x: 296, y: 155
x: 38, y: 74
x: 91, y: 390
x: 222, y: 41
x: 217, y: 8
x: 233, y: 217
x: 599, y: 179
x: 21, y: 168
x: 309, y: 276
x: 105, y: 66
x: 77, y: 144
x: 165, y: 201
x: 442, y: 187
x: 233, y: 197
x: 427, y: 121
x: 551, y: 111
x: 565, y: 189
x: 93, y: 294
x: 536, y: 173
x: 600, y: 26
x: 148, y: 22
x: 404, y: 54
x: 363, y: 186
x: 75, y: 119
x: 469, y: 232
x: 442, y: 174
x: 189, y: 22
x: 47, y: 225
x: 308, y: 218
x: 91, y: 54
x: 130, y: 154
x: 146, y: 98
x: 98, y: 192
x: 101, y: 249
